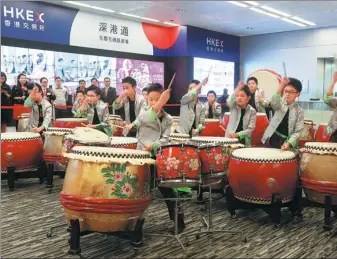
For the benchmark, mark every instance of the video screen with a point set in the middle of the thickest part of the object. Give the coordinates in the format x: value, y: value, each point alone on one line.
x: 221, y: 75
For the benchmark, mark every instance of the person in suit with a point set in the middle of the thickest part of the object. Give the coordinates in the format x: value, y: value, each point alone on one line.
x: 332, y: 102
x: 287, y: 123
x: 212, y: 108
x: 257, y: 100
x: 192, y: 111
x: 131, y: 101
x: 48, y: 93
x: 242, y: 118
x: 108, y: 93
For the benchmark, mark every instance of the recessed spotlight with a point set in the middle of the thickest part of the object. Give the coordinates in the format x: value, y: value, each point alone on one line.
x: 181, y: 10
x: 249, y: 28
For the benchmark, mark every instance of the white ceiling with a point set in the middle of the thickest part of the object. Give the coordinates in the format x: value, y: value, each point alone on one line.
x: 222, y: 16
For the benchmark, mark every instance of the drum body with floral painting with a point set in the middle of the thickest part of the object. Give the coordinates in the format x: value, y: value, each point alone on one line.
x: 53, y: 143
x: 321, y: 133
x: 23, y: 122
x: 83, y: 136
x: 308, y: 133
x: 24, y: 149
x: 178, y: 165
x: 124, y: 142
x: 212, y: 128
x: 255, y: 174
x: 70, y: 122
x: 116, y: 123
x: 319, y: 171
x: 107, y: 189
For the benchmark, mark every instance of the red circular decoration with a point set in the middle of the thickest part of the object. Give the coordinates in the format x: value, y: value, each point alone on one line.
x: 161, y: 37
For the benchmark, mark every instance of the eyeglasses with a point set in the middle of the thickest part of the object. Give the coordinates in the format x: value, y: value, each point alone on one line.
x: 91, y: 95
x: 289, y: 92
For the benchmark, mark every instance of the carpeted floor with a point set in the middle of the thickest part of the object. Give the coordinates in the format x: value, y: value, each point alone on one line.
x: 29, y: 211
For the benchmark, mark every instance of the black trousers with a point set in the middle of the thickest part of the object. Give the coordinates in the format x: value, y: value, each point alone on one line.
x: 333, y: 137
x: 275, y: 142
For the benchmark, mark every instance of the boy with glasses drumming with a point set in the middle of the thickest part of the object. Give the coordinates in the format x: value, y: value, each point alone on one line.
x: 285, y: 127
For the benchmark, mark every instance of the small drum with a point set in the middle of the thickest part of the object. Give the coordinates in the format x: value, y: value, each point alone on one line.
x: 26, y: 149
x: 178, y: 165
x: 257, y: 134
x: 23, y: 122
x: 321, y: 135
x: 175, y: 124
x: 178, y: 137
x: 269, y: 80
x: 107, y: 189
x: 212, y: 128
x: 116, y: 120
x: 256, y: 173
x: 308, y: 133
x: 120, y: 142
x: 83, y: 136
x: 70, y: 122
x: 319, y: 171
x: 53, y: 143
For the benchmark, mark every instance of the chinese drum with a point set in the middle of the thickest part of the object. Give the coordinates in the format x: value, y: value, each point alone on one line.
x: 178, y: 165
x: 321, y: 133
x: 116, y: 120
x: 19, y: 109
x: 83, y: 136
x: 126, y: 142
x: 23, y: 149
x: 256, y: 173
x: 212, y: 128
x: 53, y: 143
x: 107, y: 189
x: 70, y: 122
x: 319, y: 171
x: 268, y: 80
x: 308, y: 133
x: 23, y: 122
x: 179, y: 137
x: 175, y: 123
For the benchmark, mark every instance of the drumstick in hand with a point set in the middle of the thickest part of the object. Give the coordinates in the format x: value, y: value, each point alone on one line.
x: 173, y: 77
x: 209, y: 72
x: 284, y: 69
x: 84, y: 125
x: 222, y: 128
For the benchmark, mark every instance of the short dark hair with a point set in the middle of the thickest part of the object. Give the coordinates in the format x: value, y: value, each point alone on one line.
x: 155, y: 87
x: 296, y: 84
x: 246, y: 90
x: 30, y: 86
x: 254, y: 79
x: 95, y: 89
x: 58, y: 78
x: 4, y: 75
x: 194, y: 81
x: 211, y: 92
x: 129, y: 80
x: 80, y: 91
x: 146, y: 89
x: 42, y: 78
x: 92, y: 79
x: 107, y: 78
x: 81, y: 80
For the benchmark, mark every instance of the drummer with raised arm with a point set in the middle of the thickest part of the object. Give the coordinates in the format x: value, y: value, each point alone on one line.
x: 257, y: 100
x: 287, y: 124
x: 96, y: 111
x: 41, y: 110
x: 242, y: 118
x: 332, y: 102
x: 212, y: 108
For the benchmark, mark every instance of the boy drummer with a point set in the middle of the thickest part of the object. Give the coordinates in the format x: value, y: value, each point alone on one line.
x: 332, y: 102
x: 154, y: 127
x: 257, y: 100
x: 242, y: 117
x: 212, y: 108
x: 288, y: 121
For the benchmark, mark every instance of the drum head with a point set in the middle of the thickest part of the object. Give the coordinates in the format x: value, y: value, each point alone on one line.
x: 320, y: 148
x: 268, y: 81
x: 110, y: 155
x: 12, y: 136
x: 73, y: 119
x: 262, y: 114
x: 179, y: 145
x: 217, y: 140
x: 123, y: 141
x: 212, y: 120
x: 263, y: 155
x: 24, y: 115
x: 115, y: 117
x: 58, y: 131
x: 88, y: 136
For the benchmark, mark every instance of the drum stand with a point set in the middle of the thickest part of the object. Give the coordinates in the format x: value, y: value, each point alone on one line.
x: 273, y: 210
x: 50, y: 176
x: 328, y: 208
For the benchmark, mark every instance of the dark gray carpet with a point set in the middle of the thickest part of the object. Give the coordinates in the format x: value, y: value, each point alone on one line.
x: 29, y: 211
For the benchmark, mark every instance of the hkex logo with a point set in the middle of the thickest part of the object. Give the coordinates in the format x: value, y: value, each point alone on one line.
x: 22, y: 14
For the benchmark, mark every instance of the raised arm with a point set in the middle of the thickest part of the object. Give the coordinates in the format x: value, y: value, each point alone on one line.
x: 328, y: 98
x: 231, y: 101
x: 276, y: 100
x: 119, y: 102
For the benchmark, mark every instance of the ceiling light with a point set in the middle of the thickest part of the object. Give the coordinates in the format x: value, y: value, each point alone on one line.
x: 102, y: 9
x: 275, y: 11
x: 263, y: 12
x: 293, y: 22
x: 140, y: 17
x: 252, y: 3
x: 303, y: 21
x: 171, y: 23
x: 238, y: 3
x: 77, y: 3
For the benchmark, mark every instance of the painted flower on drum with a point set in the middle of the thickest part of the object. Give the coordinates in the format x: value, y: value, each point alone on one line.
x: 194, y: 164
x: 118, y: 177
x: 219, y: 159
x: 172, y: 163
x: 127, y: 190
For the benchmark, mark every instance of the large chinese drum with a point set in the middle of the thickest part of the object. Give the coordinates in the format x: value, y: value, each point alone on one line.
x: 308, y: 133
x: 212, y: 128
x: 321, y: 133
x: 124, y: 142
x: 107, y: 189
x: 179, y: 137
x: 175, y: 123
x: 116, y: 123
x: 23, y: 122
x: 256, y: 173
x: 319, y: 171
x: 70, y: 122
x: 25, y: 149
